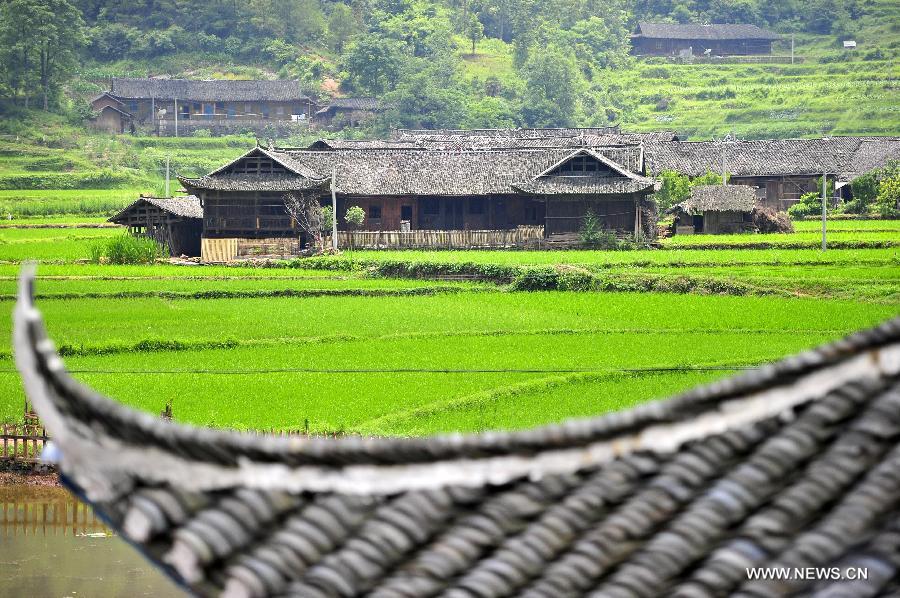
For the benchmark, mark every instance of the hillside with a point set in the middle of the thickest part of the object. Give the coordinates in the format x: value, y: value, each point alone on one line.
x: 550, y: 63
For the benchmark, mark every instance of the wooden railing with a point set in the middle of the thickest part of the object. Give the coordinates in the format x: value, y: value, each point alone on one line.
x: 57, y: 514
x: 22, y: 442
x: 439, y: 239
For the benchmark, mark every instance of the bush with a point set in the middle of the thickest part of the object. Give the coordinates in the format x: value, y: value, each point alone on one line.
x: 127, y: 249
x: 809, y: 204
x: 768, y: 220
x: 536, y: 279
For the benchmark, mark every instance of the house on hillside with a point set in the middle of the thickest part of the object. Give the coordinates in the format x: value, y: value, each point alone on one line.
x: 717, y: 39
x: 176, y: 222
x: 180, y: 107
x: 716, y: 209
x: 547, y: 190
x: 346, y: 112
x: 111, y: 116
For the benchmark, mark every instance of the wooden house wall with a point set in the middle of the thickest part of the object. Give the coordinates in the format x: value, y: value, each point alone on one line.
x: 567, y: 215
x: 725, y: 222
x: 109, y: 121
x: 252, y: 215
x: 779, y: 192
x: 246, y: 214
x: 145, y: 109
x: 669, y: 47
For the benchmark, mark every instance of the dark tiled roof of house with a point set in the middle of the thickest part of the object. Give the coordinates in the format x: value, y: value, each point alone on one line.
x: 208, y: 91
x: 795, y: 464
x: 874, y: 152
x: 754, y: 158
x: 516, y: 133
x: 692, y: 31
x: 846, y: 157
x: 185, y: 206
x: 369, y: 104
x: 393, y: 171
x: 719, y: 198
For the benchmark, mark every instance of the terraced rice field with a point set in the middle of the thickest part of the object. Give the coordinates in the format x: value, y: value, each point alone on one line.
x: 336, y: 344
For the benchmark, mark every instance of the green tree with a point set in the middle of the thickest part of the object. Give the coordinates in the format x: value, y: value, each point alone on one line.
x: 710, y: 178
x: 675, y: 188
x: 490, y: 113
x: 372, y: 64
x: 43, y: 37
x: 355, y: 216
x: 474, y: 31
x: 551, y: 88
x: 341, y: 26
x: 887, y: 203
x: 425, y: 101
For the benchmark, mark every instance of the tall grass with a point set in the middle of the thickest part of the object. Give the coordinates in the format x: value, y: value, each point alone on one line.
x: 126, y: 249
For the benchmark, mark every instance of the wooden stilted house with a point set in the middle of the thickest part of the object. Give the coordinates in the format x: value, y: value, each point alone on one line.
x: 428, y: 189
x: 176, y: 222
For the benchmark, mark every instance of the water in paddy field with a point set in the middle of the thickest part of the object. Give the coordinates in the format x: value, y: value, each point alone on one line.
x: 51, y: 545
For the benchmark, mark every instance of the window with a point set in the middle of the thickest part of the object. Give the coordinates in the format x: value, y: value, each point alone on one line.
x: 132, y: 106
x: 374, y: 212
x: 279, y: 111
x: 406, y: 213
x: 431, y: 206
x: 476, y: 205
x: 578, y: 165
x: 265, y: 111
x: 248, y: 108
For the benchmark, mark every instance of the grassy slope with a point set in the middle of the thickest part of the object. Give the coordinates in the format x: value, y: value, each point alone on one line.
x: 853, y: 97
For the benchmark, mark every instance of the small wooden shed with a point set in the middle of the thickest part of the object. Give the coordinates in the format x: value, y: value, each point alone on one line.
x: 176, y: 222
x: 716, y: 209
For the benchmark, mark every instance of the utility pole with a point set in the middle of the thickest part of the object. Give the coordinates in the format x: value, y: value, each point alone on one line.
x: 334, y: 215
x: 176, y: 117
x: 792, y: 48
x: 824, y: 191
x: 167, y: 177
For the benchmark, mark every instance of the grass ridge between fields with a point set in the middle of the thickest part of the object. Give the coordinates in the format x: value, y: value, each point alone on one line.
x: 175, y: 345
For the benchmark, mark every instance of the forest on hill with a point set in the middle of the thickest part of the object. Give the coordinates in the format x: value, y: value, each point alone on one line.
x: 466, y: 63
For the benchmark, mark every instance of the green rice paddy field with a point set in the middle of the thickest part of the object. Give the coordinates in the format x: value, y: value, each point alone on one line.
x: 338, y: 345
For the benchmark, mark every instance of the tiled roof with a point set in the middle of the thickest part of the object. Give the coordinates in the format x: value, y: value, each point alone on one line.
x: 794, y: 465
x: 515, y: 133
x: 208, y: 91
x: 691, y: 31
x: 185, y: 206
x: 350, y: 104
x: 719, y: 198
x: 754, y: 158
x: 392, y: 171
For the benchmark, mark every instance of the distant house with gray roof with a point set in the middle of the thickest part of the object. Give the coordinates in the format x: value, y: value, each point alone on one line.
x: 716, y: 209
x: 717, y: 39
x: 181, y: 106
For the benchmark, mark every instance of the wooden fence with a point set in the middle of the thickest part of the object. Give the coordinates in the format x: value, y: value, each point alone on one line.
x: 23, y: 442
x: 57, y: 514
x: 439, y: 239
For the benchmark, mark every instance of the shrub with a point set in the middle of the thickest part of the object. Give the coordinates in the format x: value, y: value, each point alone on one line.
x: 809, y: 204
x: 536, y: 279
x: 768, y: 220
x: 127, y: 249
